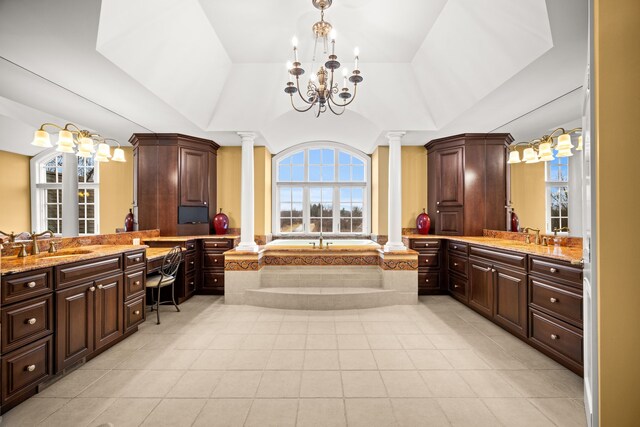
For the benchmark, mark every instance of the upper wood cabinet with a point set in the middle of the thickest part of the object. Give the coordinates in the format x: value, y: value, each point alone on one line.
x: 194, y: 166
x: 468, y: 181
x: 174, y: 171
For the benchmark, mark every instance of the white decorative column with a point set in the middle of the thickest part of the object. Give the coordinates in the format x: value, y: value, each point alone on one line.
x: 70, y: 226
x: 394, y: 242
x: 247, y: 242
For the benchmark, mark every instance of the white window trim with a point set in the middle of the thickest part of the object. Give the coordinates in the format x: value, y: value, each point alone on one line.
x: 38, y: 213
x: 573, y: 202
x: 275, y: 194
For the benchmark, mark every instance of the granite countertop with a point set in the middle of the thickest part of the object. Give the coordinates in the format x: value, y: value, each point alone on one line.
x: 13, y: 264
x: 179, y: 239
x: 570, y: 254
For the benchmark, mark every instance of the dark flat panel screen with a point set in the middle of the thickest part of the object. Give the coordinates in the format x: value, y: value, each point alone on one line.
x: 193, y: 214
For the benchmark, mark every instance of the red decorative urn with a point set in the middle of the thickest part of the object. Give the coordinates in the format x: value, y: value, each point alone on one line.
x: 221, y: 223
x: 515, y: 222
x: 423, y: 223
x: 129, y: 220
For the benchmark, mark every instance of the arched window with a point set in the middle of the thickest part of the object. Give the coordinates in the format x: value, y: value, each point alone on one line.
x: 321, y: 187
x: 47, y: 170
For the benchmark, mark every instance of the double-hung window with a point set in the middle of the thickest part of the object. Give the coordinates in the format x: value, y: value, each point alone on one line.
x: 557, y: 182
x: 321, y: 188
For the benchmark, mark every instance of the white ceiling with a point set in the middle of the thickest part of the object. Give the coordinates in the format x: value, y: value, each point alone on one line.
x: 211, y: 68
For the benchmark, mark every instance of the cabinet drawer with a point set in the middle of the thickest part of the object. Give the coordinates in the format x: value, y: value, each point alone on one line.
x: 213, y: 261
x: 458, y: 247
x: 458, y: 264
x: 190, y: 262
x: 26, y: 322
x: 134, y: 259
x: 556, y: 336
x: 421, y: 244
x: 86, y: 270
x: 134, y: 313
x: 217, y: 245
x: 18, y: 287
x: 458, y: 287
x: 429, y: 261
x: 25, y: 368
x: 428, y: 281
x: 213, y: 280
x: 190, y: 245
x: 190, y: 283
x: 134, y: 284
x: 557, y: 271
x: 513, y: 259
x: 556, y: 300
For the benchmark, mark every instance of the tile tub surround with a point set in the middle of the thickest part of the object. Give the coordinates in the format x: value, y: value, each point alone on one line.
x: 82, y: 241
x: 434, y: 363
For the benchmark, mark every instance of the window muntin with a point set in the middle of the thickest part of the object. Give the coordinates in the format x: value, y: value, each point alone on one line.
x: 557, y: 182
x: 331, y: 185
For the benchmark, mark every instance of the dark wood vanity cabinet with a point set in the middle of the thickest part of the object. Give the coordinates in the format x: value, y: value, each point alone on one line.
x: 481, y: 286
x: 429, y: 265
x: 175, y: 180
x: 212, y: 266
x: 468, y: 181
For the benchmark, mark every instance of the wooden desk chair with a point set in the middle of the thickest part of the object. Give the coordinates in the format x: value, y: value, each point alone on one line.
x: 166, y: 277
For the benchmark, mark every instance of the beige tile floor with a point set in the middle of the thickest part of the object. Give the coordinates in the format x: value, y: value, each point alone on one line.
x: 435, y: 363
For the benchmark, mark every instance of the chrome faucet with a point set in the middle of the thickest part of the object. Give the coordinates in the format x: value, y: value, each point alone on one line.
x: 537, y: 231
x: 35, y: 250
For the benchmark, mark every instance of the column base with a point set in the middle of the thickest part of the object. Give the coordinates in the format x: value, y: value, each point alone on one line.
x: 391, y: 246
x: 247, y: 247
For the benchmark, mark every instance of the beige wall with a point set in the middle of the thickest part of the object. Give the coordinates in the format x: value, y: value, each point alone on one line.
x: 116, y: 192
x: 380, y: 190
x: 262, y: 183
x: 528, y: 193
x: 617, y: 91
x: 229, y: 182
x: 15, y: 193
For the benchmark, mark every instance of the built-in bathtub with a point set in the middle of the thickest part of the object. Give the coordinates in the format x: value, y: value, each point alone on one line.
x: 336, y: 243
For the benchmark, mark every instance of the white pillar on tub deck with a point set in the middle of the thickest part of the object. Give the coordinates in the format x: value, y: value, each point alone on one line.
x: 247, y: 242
x: 394, y: 243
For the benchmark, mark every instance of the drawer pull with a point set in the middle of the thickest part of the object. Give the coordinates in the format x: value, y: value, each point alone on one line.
x: 192, y: 263
x: 555, y: 337
x: 136, y: 312
x: 215, y: 245
x: 426, y: 280
x: 137, y: 259
x: 92, y: 289
x: 493, y: 270
x: 31, y: 321
x: 553, y: 270
x: 137, y: 283
x: 455, y: 264
x: 553, y: 300
x: 215, y: 260
x: 215, y: 280
x: 31, y: 284
x: 31, y: 368
x: 437, y: 211
x: 455, y: 247
x: 456, y: 286
x: 100, y: 286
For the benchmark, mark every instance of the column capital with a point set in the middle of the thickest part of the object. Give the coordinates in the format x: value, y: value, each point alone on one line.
x: 247, y: 136
x: 395, y: 135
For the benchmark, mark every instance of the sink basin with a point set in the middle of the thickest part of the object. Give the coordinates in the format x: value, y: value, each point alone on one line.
x: 63, y: 253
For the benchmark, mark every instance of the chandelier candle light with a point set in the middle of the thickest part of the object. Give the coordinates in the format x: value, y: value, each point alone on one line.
x: 88, y: 144
x: 322, y: 89
x: 541, y: 149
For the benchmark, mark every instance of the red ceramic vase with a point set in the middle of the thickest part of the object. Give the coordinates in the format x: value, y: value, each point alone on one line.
x: 423, y: 223
x: 515, y: 222
x: 221, y: 223
x: 129, y: 220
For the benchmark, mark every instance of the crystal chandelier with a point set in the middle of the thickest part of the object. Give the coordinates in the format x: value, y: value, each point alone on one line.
x: 72, y: 138
x: 541, y: 149
x: 322, y: 91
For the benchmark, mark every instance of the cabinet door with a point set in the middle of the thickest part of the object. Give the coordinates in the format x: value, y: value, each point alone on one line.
x: 450, y: 221
x: 450, y: 177
x: 194, y: 175
x: 107, y: 313
x: 481, y: 287
x: 511, y: 300
x: 74, y: 324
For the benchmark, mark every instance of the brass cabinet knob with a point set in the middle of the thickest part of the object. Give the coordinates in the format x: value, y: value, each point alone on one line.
x: 205, y: 203
x: 554, y: 337
x: 456, y: 286
x: 493, y: 270
x: 426, y: 280
x: 31, y: 368
x: 215, y: 260
x: 136, y: 312
x: 455, y: 264
x: 92, y: 289
x: 553, y: 270
x: 455, y: 247
x: 426, y: 245
x: 192, y: 263
x: 32, y: 321
x: 137, y: 283
x: 100, y: 286
x: 215, y: 280
x: 437, y: 203
x: 137, y: 259
x: 553, y: 300
x: 437, y: 211
x: 215, y: 245
x: 31, y: 284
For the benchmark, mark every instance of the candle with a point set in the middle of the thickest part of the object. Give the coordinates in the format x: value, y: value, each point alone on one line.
x: 294, y: 42
x: 356, y: 52
x: 332, y: 34
x: 344, y: 77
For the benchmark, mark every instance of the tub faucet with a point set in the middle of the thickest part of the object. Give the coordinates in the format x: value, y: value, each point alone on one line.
x: 35, y: 250
x: 537, y: 231
x: 320, y: 246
